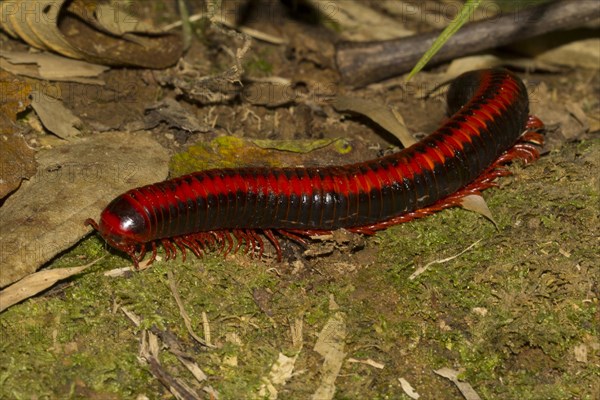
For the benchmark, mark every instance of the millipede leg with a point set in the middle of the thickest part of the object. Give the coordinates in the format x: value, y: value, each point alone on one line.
x: 192, y: 244
x: 220, y: 240
x: 229, y: 240
x: 142, y: 254
x: 179, y: 242
x: 153, y: 253
x: 170, y: 250
x: 294, y: 235
x: 241, y: 239
x: 269, y: 234
x: 131, y: 253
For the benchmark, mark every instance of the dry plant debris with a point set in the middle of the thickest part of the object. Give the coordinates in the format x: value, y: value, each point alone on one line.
x: 45, y: 216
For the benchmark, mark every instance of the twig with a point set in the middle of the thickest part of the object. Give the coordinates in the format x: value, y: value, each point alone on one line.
x: 184, y: 315
x: 362, y: 63
x: 419, y: 271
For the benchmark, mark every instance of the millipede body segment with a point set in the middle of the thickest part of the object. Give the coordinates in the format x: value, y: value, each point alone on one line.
x: 489, y: 111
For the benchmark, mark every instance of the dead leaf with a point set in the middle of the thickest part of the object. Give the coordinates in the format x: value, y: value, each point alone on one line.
x: 17, y: 162
x: 268, y: 94
x: 36, y: 283
x: 52, y: 67
x: 174, y: 115
x: 40, y: 27
x: 281, y: 371
x: 330, y: 345
x: 387, y: 118
x: 581, y: 353
x: 74, y: 182
x: 356, y: 21
x: 368, y: 361
x: 465, y: 388
x: 476, y: 203
x: 582, y: 53
x: 55, y: 116
x: 15, y: 97
x: 408, y: 389
x: 16, y: 158
x: 156, y: 52
x: 544, y: 105
x: 470, y: 63
x: 116, y: 19
x: 54, y: 25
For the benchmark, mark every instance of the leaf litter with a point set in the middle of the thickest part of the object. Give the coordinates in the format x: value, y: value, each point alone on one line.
x: 73, y: 182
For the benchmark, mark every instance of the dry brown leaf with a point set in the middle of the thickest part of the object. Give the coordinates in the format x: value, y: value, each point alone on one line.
x: 52, y: 67
x: 44, y: 23
x: 15, y: 98
x: 14, y: 14
x: 156, y: 51
x: 388, y: 119
x: 55, y: 116
x: 17, y: 162
x: 544, y: 105
x: 464, y: 64
x: 582, y: 53
x: 116, y: 19
x: 268, y: 94
x: 281, y: 371
x: 408, y: 389
x: 7, y: 8
x: 16, y: 158
x: 356, y: 20
x: 172, y: 113
x: 330, y: 345
x: 465, y: 388
x: 36, y: 283
x: 74, y: 182
x: 476, y: 203
x: 52, y: 25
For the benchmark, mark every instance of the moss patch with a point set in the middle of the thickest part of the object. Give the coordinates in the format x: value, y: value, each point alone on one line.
x: 515, y: 313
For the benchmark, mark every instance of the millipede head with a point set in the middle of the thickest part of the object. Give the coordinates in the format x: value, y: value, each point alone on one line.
x: 121, y: 226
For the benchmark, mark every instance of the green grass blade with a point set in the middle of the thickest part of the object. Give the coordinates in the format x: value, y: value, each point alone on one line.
x: 463, y: 16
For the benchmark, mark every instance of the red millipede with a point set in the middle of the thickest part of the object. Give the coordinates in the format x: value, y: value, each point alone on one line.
x: 489, y: 126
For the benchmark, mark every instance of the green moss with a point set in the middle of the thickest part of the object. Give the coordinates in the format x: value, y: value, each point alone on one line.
x: 509, y: 311
x: 259, y: 66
